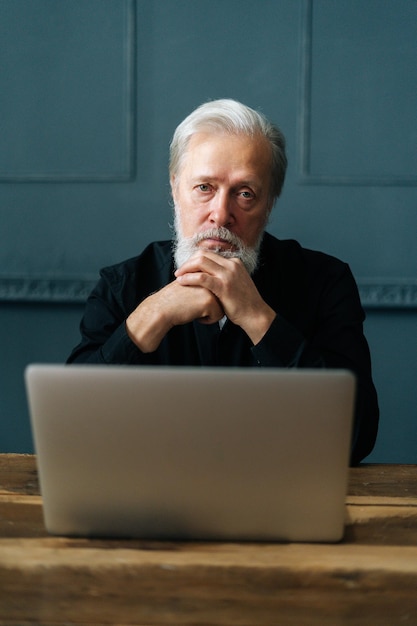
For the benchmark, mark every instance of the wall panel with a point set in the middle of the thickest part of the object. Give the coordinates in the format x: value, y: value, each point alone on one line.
x: 357, y: 128
x: 67, y: 84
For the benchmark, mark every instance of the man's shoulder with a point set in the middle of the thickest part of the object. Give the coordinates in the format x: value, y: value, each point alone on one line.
x: 291, y: 251
x: 157, y: 255
x: 302, y: 276
x: 141, y: 274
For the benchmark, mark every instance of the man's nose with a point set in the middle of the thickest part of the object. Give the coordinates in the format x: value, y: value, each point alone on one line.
x: 221, y: 210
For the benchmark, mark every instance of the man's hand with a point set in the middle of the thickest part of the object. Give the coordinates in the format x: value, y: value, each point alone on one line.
x: 228, y: 280
x: 173, y: 305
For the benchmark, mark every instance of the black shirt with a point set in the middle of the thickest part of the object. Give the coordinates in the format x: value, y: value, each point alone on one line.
x: 319, y: 322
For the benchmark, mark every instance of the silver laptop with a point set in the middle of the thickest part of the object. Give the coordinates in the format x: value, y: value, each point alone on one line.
x: 191, y: 453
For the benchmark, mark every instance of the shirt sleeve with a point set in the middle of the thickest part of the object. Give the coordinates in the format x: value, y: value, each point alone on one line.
x: 281, y: 346
x: 333, y: 338
x: 104, y: 339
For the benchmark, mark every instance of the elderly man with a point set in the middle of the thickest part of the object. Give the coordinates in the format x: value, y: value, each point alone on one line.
x: 225, y: 292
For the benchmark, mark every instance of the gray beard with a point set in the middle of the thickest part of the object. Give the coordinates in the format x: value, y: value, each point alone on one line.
x: 185, y: 247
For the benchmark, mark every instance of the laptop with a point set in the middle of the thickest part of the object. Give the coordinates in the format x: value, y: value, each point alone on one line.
x: 184, y: 453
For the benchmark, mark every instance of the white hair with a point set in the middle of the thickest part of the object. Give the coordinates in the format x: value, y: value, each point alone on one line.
x: 230, y: 116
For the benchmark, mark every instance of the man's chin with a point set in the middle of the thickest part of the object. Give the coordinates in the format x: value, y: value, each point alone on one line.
x: 218, y: 247
x: 185, y: 248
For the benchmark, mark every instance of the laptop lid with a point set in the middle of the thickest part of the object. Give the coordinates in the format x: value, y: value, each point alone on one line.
x: 192, y: 453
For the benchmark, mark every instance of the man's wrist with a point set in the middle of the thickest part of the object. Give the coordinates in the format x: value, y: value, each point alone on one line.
x: 259, y: 324
x: 146, y: 326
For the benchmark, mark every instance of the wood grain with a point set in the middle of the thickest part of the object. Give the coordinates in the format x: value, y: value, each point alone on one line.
x: 370, y: 578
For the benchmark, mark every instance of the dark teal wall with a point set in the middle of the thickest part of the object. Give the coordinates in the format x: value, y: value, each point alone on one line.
x: 91, y: 91
x: 30, y: 332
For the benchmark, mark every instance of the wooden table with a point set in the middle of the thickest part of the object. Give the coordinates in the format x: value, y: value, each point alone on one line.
x: 368, y: 579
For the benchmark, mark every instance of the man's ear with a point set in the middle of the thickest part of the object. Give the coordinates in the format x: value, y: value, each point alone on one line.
x: 173, y: 183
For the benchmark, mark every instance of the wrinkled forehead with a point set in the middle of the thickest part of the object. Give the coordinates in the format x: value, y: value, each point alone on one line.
x: 221, y: 153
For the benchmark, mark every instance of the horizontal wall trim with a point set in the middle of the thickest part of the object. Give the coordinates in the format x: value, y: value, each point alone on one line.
x: 71, y: 177
x: 381, y: 293
x: 388, y: 293
x: 46, y: 289
x: 358, y: 181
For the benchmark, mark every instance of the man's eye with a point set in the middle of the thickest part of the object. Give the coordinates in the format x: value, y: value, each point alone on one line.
x: 203, y: 187
x: 246, y: 194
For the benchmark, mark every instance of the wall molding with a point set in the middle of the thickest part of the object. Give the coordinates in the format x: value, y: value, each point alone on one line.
x: 381, y: 293
x: 304, y: 123
x: 388, y: 293
x: 48, y: 289
x: 125, y: 170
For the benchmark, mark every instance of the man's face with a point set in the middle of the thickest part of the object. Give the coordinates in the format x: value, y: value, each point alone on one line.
x: 224, y: 182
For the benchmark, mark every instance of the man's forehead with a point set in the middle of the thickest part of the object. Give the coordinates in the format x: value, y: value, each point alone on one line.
x: 208, y: 153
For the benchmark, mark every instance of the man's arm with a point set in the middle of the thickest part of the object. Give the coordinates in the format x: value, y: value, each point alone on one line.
x: 332, y: 334
x: 111, y: 333
x: 173, y: 305
x: 335, y: 340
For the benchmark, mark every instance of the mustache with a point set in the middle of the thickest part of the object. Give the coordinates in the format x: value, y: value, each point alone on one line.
x: 222, y: 233
x: 184, y: 247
